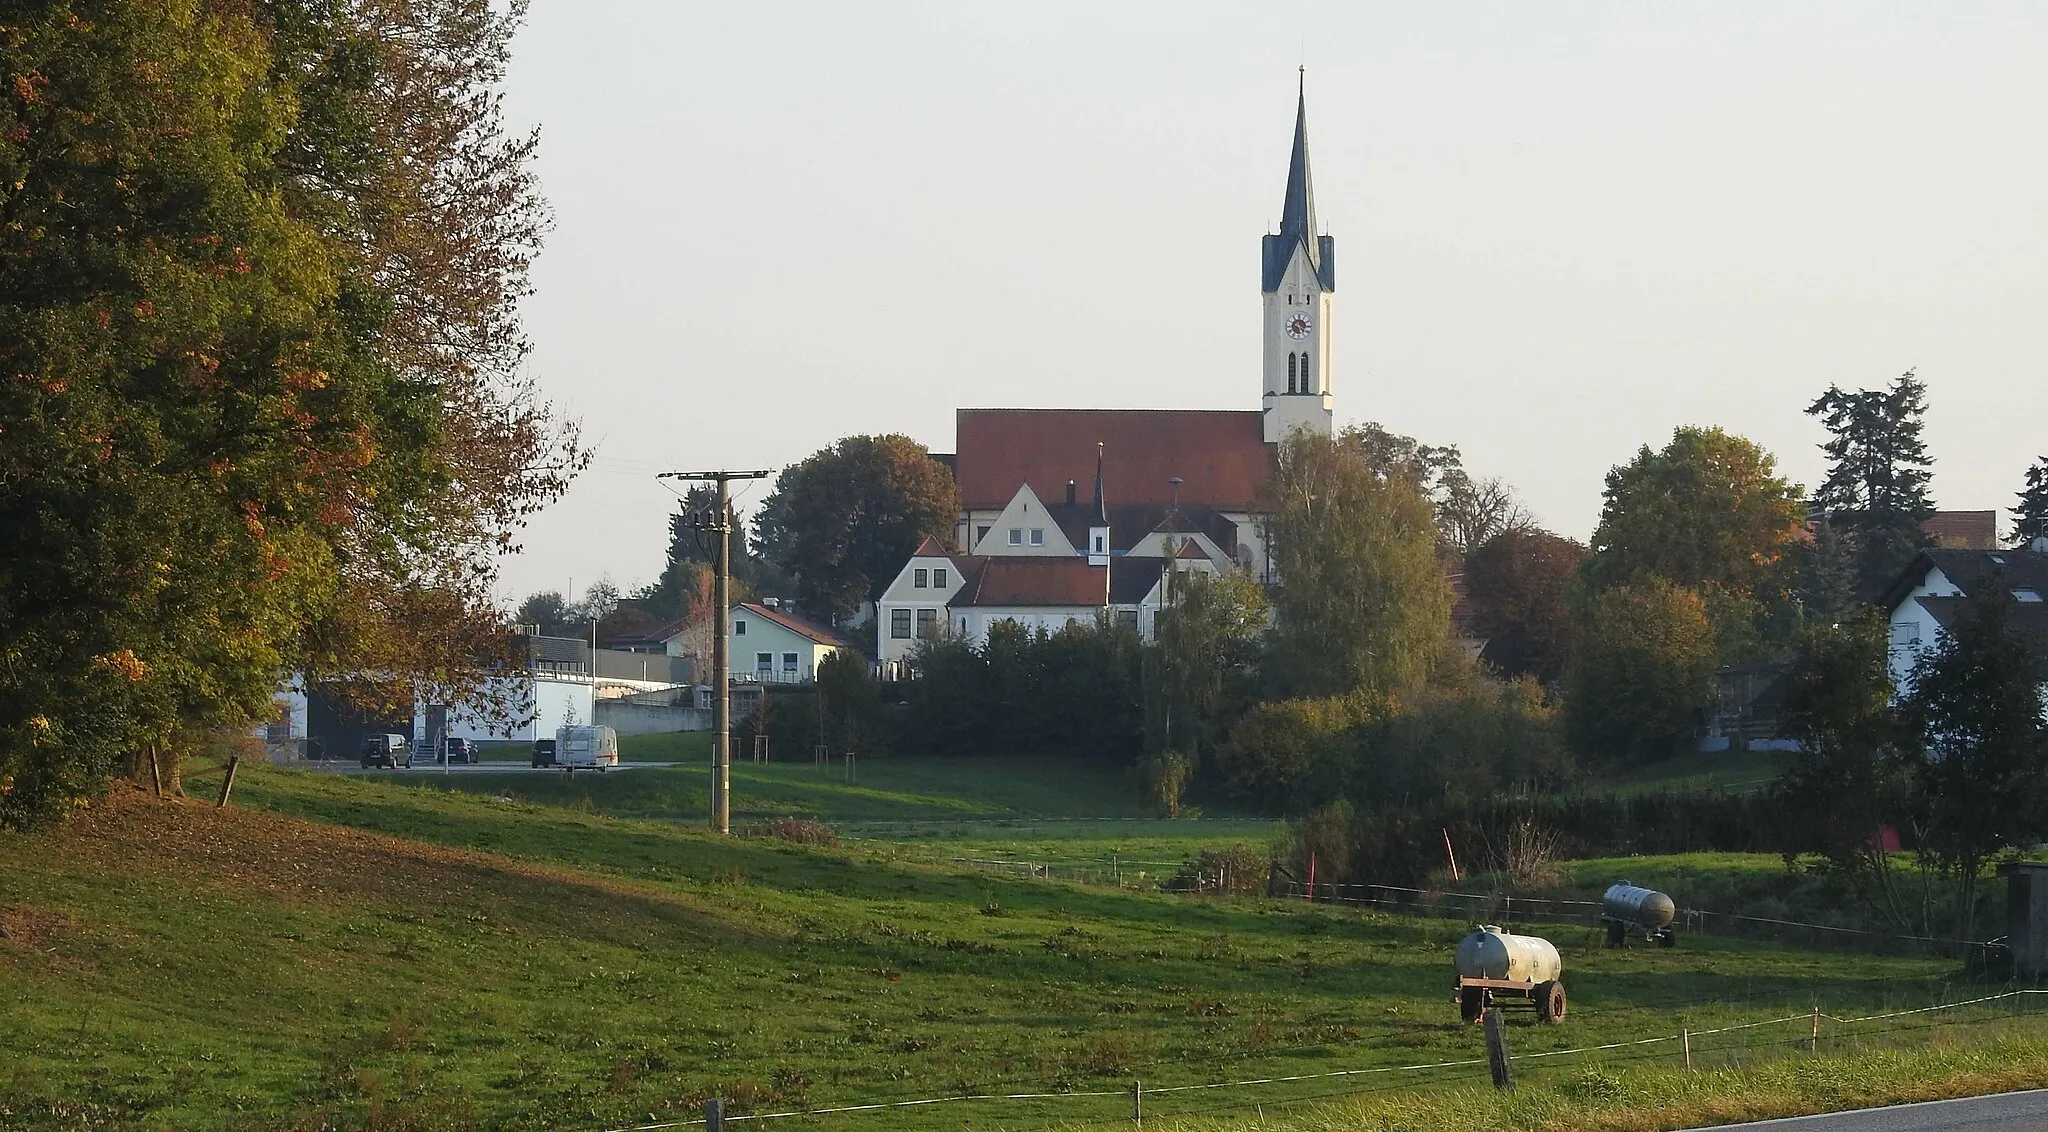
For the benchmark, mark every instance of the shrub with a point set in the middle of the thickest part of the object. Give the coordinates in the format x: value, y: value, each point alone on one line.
x: 1284, y: 754
x: 799, y: 831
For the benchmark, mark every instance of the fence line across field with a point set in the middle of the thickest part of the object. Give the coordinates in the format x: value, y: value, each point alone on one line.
x: 1685, y: 1037
x: 1695, y: 919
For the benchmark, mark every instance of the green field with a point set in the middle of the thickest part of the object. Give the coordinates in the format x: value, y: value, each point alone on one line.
x: 348, y: 952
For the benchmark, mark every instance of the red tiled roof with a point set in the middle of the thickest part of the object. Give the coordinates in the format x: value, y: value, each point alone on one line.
x: 798, y: 625
x: 1219, y: 455
x: 1032, y: 581
x: 1963, y: 530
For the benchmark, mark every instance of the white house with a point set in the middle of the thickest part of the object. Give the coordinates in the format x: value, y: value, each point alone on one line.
x: 774, y: 646
x: 1930, y: 593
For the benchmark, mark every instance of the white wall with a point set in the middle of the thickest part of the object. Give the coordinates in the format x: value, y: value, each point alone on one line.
x: 1025, y: 513
x: 764, y: 635
x: 1285, y: 412
x: 1913, y: 629
x: 903, y: 593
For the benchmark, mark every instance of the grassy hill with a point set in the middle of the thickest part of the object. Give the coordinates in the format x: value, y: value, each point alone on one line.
x: 342, y: 952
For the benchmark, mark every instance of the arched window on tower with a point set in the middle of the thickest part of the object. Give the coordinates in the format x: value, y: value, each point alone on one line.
x: 1306, y: 387
x: 1290, y: 373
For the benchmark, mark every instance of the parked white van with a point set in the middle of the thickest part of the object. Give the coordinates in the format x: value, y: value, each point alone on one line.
x: 586, y: 748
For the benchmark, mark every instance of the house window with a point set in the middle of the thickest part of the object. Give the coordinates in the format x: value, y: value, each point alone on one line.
x: 1098, y: 544
x: 899, y: 624
x: 980, y: 533
x: 927, y: 623
x: 963, y: 626
x: 1290, y: 372
x: 939, y: 577
x: 1128, y: 619
x: 1905, y: 634
x: 920, y: 578
x: 764, y: 664
x: 739, y: 628
x: 1016, y: 536
x: 1038, y: 536
x: 789, y: 664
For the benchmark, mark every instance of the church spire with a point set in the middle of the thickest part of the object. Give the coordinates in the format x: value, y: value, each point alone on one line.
x: 1298, y: 212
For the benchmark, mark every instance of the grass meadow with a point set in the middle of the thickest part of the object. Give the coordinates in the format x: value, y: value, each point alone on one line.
x: 538, y: 952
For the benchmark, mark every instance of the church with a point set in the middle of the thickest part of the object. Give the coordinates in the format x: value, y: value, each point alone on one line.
x: 1067, y: 514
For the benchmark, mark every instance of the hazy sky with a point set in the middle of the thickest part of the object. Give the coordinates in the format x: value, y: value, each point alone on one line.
x: 1562, y: 229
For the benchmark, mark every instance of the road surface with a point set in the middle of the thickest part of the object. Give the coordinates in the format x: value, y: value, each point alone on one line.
x: 345, y: 766
x: 1999, y: 1112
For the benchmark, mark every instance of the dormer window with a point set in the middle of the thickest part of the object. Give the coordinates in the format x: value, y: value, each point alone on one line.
x: 1098, y: 544
x: 920, y: 578
x: 2027, y: 594
x: 939, y: 578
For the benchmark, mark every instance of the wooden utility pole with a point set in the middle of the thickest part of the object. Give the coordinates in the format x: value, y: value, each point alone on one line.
x: 720, y: 524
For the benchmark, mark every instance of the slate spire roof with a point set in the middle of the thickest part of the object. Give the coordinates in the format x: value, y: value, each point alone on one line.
x: 1298, y: 212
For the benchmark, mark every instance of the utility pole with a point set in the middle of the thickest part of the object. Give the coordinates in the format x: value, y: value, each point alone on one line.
x: 721, y: 663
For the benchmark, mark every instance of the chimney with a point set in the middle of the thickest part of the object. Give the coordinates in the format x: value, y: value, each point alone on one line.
x: 1070, y: 493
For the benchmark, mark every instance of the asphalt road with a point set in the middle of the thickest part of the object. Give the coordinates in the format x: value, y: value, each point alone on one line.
x: 1999, y: 1112
x: 344, y: 766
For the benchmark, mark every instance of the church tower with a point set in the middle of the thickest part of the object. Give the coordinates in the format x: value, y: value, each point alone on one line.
x: 1299, y: 274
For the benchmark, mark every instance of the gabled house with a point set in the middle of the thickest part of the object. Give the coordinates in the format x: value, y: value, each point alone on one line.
x: 1929, y: 595
x: 774, y: 646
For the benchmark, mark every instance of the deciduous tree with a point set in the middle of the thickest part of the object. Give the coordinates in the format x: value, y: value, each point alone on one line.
x: 1710, y: 514
x: 1975, y: 707
x: 1363, y: 604
x: 847, y: 518
x: 1518, y: 582
x: 1641, y: 671
x: 260, y: 405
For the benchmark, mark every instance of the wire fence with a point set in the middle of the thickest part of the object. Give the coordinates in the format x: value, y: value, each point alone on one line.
x: 1189, y: 876
x: 1137, y: 1092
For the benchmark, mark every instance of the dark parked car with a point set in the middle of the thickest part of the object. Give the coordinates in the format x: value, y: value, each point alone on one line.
x: 387, y: 750
x: 543, y: 752
x: 457, y: 751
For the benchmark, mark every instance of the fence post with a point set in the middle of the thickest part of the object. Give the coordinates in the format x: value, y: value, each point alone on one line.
x: 1813, y: 1041
x: 1137, y: 1102
x: 227, y: 782
x: 1497, y: 1050
x: 714, y: 1114
x: 1685, y: 1038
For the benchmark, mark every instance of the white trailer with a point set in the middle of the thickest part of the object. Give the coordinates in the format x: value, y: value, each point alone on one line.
x: 587, y: 748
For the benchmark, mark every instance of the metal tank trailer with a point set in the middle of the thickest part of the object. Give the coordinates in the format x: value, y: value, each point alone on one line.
x: 1494, y: 964
x: 1627, y: 909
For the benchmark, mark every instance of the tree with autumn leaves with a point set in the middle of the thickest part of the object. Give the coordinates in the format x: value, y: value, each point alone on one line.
x: 261, y: 408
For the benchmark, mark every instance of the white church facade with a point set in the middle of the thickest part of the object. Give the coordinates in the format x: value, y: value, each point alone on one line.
x: 1170, y: 489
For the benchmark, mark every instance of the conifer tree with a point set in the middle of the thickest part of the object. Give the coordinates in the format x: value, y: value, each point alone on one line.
x: 1875, y: 492
x: 2030, y: 518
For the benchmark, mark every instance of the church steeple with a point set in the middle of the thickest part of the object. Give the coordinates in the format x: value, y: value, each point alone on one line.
x: 1298, y: 210
x: 1298, y: 275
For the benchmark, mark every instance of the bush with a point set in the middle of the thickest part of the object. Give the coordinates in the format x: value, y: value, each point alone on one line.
x: 1286, y: 754
x: 1239, y: 870
x: 798, y: 831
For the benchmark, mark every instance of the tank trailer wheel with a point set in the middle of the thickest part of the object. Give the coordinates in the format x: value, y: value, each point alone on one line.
x: 1616, y: 937
x: 1549, y: 1002
x: 1667, y: 938
x: 1472, y: 1003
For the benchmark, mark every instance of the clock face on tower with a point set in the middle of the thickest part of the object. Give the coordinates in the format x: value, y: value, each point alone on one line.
x: 1297, y: 326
